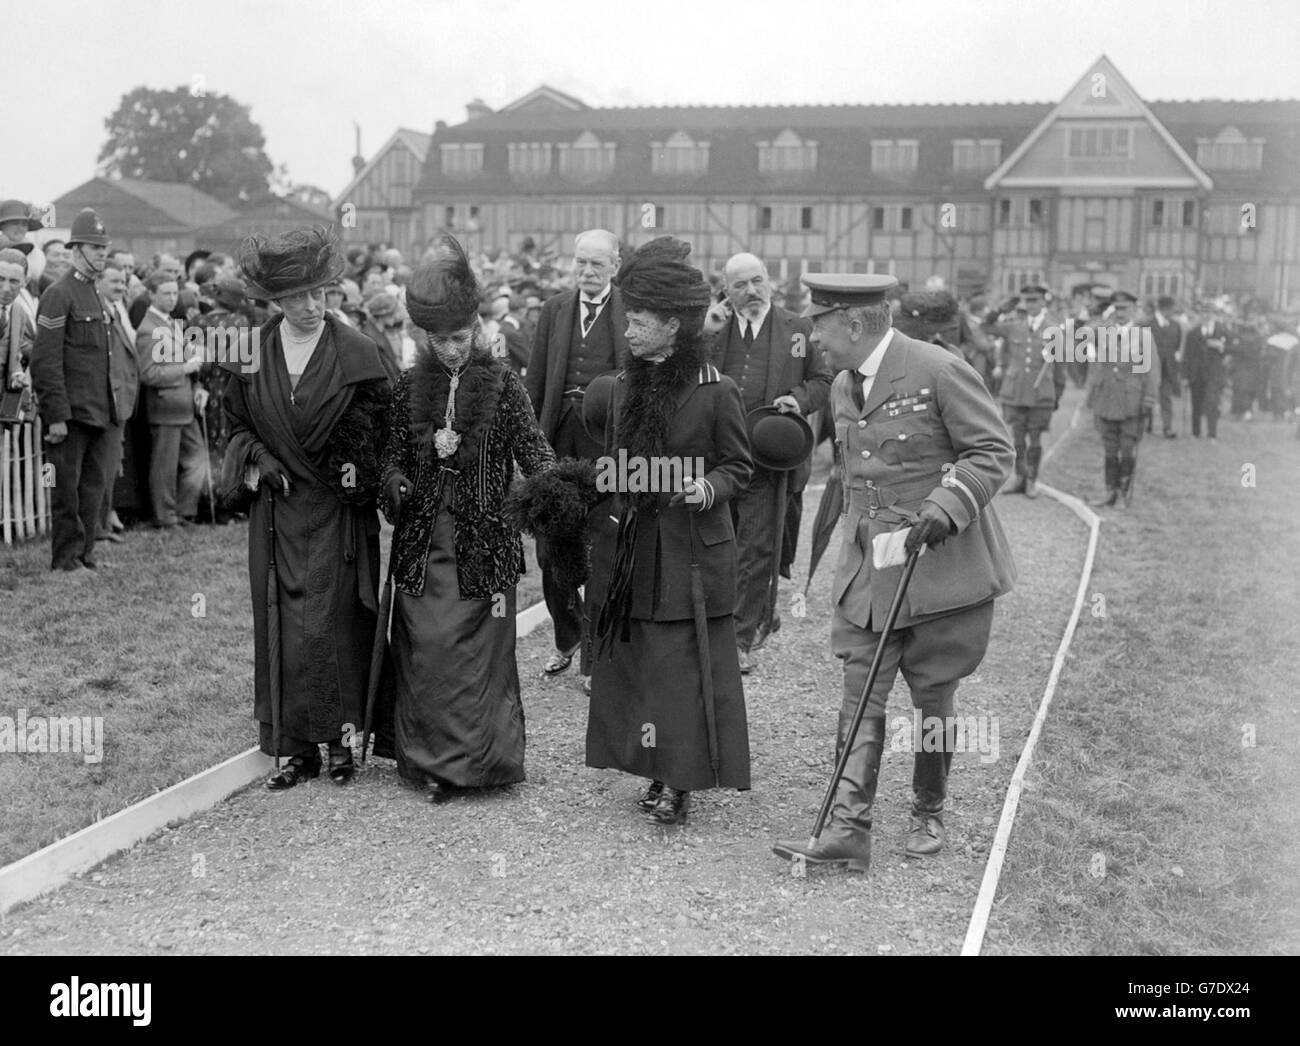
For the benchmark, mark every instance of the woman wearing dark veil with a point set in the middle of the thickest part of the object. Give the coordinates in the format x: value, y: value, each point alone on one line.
x: 308, y: 420
x: 461, y: 419
x: 664, y: 704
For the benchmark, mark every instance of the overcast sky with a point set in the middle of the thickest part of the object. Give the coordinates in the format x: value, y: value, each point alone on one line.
x: 309, y: 68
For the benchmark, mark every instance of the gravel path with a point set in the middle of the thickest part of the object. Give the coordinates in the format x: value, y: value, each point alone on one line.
x: 564, y: 863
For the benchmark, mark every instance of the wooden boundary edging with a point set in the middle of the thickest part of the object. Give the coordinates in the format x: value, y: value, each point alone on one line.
x: 49, y: 868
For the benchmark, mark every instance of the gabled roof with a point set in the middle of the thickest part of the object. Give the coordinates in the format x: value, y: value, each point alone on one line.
x: 544, y: 98
x: 1115, y: 99
x: 416, y: 141
x: 138, y: 207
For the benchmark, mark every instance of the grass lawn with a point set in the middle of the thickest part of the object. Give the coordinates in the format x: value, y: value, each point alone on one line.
x: 175, y: 690
x: 1159, y: 816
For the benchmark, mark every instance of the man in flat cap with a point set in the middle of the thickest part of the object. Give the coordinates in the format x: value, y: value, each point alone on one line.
x: 1123, y: 387
x: 921, y: 445
x: 769, y: 354
x: 1032, y: 383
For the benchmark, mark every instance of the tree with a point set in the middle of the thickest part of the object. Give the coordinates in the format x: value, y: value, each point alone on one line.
x: 205, y: 140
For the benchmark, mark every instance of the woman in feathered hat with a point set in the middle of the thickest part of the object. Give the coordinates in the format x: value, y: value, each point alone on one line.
x: 460, y: 420
x: 308, y: 420
x: 666, y: 696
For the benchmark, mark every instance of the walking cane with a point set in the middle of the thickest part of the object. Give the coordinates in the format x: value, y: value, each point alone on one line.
x: 207, y: 462
x: 380, y: 644
x: 702, y: 647
x: 273, y: 629
x: 828, y: 800
x: 781, y: 486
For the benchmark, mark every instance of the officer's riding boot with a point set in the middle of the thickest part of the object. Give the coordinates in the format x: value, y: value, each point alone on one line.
x: 1126, y: 464
x: 1112, y: 482
x: 846, y: 839
x: 1033, y: 456
x: 930, y: 787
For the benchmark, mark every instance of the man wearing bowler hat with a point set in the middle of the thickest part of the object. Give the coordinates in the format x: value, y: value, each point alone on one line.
x: 922, y: 445
x: 72, y: 377
x: 769, y: 354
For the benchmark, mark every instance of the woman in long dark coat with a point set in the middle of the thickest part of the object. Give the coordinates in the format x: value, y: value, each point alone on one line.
x: 461, y: 419
x: 653, y: 680
x: 307, y: 421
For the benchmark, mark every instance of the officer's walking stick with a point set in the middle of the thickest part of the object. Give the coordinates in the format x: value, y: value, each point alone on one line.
x: 828, y: 800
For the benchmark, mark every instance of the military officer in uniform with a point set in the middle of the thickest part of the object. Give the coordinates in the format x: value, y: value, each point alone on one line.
x: 1032, y: 383
x: 73, y: 380
x: 1121, y: 393
x: 922, y: 446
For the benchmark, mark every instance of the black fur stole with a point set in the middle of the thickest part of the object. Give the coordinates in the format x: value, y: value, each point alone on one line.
x: 647, y: 415
x: 477, y: 399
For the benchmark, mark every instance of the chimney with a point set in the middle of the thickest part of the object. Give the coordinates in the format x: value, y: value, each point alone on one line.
x: 475, y: 109
x: 358, y: 161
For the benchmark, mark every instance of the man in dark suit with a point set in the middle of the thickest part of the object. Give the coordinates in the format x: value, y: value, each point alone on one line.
x: 71, y: 376
x: 1204, y: 356
x: 769, y: 354
x: 580, y: 335
x: 921, y: 444
x: 512, y: 343
x: 1168, y: 336
x: 177, y: 453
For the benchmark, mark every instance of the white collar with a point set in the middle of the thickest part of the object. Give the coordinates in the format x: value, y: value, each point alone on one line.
x: 600, y: 299
x: 757, y: 324
x: 872, y: 363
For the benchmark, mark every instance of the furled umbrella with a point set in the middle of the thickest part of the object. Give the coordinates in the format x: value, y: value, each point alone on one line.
x: 379, y: 648
x: 702, y: 648
x: 273, y: 628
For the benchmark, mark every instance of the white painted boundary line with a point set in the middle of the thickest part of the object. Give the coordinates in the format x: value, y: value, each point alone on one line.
x: 49, y: 868
x: 997, y: 853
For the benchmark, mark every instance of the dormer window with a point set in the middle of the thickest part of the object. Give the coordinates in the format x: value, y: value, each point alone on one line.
x: 976, y: 154
x: 462, y: 159
x: 787, y: 154
x: 679, y: 154
x: 894, y: 156
x: 529, y: 159
x: 1100, y: 143
x: 1230, y: 150
x: 587, y: 158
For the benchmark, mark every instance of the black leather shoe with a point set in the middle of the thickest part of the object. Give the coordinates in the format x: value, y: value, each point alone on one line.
x: 341, y: 765
x: 651, y: 796
x: 296, y: 770
x: 437, y: 793
x: 672, y: 806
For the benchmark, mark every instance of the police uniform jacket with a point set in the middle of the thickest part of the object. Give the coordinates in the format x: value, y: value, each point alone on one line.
x: 709, y: 423
x: 928, y: 431
x: 70, y: 365
x: 1026, y: 382
x: 1117, y: 390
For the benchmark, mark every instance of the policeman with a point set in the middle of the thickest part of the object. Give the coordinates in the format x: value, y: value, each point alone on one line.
x: 72, y: 378
x: 1123, y: 386
x: 1032, y: 383
x: 921, y: 446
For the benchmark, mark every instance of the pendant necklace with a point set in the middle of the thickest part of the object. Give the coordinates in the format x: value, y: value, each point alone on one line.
x: 446, y: 439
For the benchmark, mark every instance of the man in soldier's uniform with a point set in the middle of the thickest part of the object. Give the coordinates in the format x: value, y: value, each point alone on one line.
x: 73, y: 381
x: 1121, y: 393
x: 921, y: 444
x: 1032, y: 383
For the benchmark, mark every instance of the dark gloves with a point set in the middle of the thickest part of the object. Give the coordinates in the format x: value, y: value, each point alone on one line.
x: 698, y: 495
x: 396, y: 491
x: 273, y: 475
x: 933, y: 527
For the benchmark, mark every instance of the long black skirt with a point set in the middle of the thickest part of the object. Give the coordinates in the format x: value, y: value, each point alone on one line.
x: 647, y: 707
x: 459, y: 719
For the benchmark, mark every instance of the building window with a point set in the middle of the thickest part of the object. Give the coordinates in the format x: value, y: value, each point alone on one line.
x: 787, y: 154
x: 1100, y: 143
x: 1230, y: 150
x: 462, y: 159
x: 1155, y: 284
x: 765, y: 219
x: 877, y: 218
x: 805, y: 218
x: 449, y: 217
x: 975, y: 154
x: 679, y: 154
x: 893, y: 217
x: 1020, y: 211
x: 587, y: 158
x: 530, y: 159
x: 1177, y: 213
x: 787, y: 217
x: 905, y: 218
x: 1014, y: 279
x: 893, y: 157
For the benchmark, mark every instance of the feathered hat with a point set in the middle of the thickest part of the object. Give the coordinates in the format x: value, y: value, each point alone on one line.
x: 658, y: 278
x: 298, y: 261
x: 443, y: 294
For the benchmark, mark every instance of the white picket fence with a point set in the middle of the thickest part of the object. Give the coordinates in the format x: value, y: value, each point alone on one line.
x: 24, y: 497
